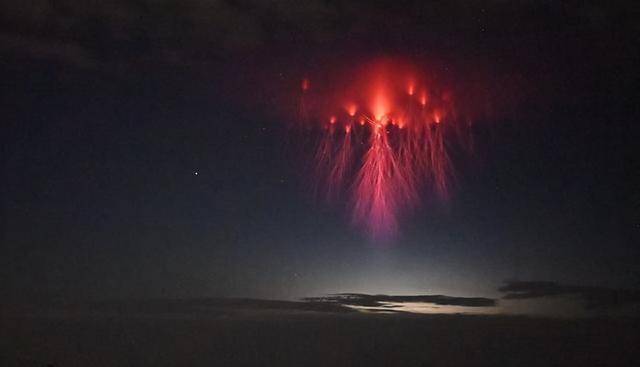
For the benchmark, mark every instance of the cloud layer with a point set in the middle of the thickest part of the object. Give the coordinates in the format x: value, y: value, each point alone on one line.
x: 388, y: 303
x: 190, y: 32
x: 592, y: 298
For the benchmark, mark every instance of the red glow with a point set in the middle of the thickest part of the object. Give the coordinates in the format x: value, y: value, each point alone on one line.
x: 305, y: 84
x: 437, y: 116
x: 381, y: 188
x: 423, y: 99
x: 398, y: 146
x: 380, y: 105
x: 352, y: 109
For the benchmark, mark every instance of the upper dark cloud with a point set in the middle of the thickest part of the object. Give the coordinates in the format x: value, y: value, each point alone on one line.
x: 120, y: 33
x: 169, y: 31
x: 592, y: 297
x: 381, y: 300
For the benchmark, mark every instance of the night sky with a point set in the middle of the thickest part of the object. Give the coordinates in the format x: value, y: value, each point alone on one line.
x: 146, y: 152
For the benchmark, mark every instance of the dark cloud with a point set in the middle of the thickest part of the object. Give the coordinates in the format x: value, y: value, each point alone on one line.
x: 383, y: 301
x: 66, y: 53
x: 127, y: 33
x: 169, y: 31
x: 195, y: 306
x: 123, y: 33
x: 336, y: 303
x: 592, y: 297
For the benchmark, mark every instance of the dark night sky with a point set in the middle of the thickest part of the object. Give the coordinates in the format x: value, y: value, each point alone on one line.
x: 109, y: 110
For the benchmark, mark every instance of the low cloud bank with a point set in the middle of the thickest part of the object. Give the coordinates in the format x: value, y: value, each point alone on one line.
x: 592, y: 298
x: 387, y: 302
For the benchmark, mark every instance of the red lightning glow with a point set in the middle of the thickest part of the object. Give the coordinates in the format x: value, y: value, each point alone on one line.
x: 385, y: 139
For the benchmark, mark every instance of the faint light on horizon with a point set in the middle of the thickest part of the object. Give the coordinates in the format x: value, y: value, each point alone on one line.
x: 427, y: 308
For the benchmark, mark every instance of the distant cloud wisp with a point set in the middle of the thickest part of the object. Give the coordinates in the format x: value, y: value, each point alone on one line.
x: 594, y: 298
x: 395, y: 303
